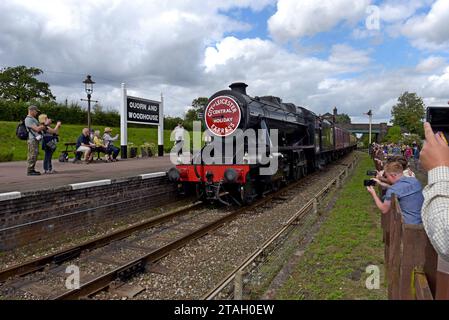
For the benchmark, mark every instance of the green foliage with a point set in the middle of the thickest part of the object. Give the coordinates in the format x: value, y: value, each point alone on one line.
x: 6, y: 157
x: 409, y: 113
x: 71, y: 113
x: 171, y: 122
x: 365, y: 139
x: 394, y: 135
x: 20, y: 84
x: 110, y: 118
x: 343, y: 118
x: 150, y: 147
x: 198, y: 105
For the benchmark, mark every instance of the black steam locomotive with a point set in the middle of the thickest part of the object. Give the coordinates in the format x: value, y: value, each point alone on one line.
x: 271, y: 143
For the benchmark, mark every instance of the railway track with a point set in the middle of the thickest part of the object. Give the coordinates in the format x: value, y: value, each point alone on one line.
x: 53, y: 260
x: 121, y: 255
x: 35, y: 275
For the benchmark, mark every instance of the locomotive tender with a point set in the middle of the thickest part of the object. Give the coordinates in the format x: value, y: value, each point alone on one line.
x: 305, y: 142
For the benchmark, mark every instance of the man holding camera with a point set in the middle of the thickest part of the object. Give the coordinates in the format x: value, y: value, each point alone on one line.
x: 408, y: 190
x: 34, y: 136
x: 435, y: 212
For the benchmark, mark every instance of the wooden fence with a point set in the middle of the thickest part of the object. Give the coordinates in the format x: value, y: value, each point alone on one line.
x: 412, y: 267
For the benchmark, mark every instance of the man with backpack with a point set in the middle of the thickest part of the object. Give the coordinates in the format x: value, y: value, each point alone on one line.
x: 34, y: 136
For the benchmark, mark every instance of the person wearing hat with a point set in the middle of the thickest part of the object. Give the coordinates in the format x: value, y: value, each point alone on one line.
x: 34, y: 136
x: 109, y: 143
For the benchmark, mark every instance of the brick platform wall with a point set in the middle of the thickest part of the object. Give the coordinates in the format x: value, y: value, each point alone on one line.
x: 48, y: 214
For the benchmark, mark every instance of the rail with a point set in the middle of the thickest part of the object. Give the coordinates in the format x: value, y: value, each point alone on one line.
x: 73, y: 252
x: 236, y: 277
x: 412, y: 267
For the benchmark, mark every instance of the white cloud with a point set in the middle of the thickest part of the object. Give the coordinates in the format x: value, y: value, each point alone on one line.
x: 344, y: 54
x: 319, y: 84
x: 430, y: 64
x: 299, y: 18
x: 399, y: 10
x: 430, y: 31
x: 147, y: 44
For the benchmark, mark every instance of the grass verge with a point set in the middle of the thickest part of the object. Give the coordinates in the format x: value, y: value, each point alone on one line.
x: 349, y: 240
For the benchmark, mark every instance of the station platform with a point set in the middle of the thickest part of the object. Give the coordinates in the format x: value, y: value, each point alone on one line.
x: 13, y: 175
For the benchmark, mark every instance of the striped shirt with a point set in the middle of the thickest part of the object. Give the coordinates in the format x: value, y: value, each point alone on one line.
x: 435, y: 211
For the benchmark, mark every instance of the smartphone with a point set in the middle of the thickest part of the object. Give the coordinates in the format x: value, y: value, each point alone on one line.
x: 369, y: 183
x: 438, y: 117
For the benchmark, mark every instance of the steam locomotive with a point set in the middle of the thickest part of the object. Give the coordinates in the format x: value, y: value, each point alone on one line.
x: 257, y: 144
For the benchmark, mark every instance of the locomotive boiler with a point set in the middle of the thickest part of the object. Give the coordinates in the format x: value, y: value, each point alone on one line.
x: 258, y: 144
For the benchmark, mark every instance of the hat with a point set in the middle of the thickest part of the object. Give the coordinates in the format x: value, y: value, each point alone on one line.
x: 107, y: 130
x: 30, y: 108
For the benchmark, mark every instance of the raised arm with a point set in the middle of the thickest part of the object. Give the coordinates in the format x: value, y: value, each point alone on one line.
x: 54, y: 130
x: 435, y: 211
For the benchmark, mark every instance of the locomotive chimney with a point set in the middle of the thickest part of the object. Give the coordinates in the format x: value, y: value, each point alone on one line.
x: 240, y: 87
x: 335, y: 114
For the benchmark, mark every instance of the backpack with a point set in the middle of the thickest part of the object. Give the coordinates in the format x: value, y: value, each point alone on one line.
x: 22, y: 131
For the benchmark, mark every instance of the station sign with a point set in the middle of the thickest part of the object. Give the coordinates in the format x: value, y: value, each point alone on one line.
x: 142, y: 111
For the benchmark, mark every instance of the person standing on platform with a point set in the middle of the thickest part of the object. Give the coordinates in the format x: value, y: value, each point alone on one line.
x: 34, y: 137
x: 179, y: 138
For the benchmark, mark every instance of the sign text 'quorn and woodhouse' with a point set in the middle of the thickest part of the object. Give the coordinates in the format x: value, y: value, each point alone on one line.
x: 142, y: 111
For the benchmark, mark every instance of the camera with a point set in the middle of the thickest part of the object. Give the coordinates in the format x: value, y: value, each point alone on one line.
x: 371, y: 173
x: 369, y: 183
x: 38, y: 137
x: 438, y: 117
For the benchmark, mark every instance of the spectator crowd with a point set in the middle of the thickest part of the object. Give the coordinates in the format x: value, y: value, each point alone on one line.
x: 428, y: 206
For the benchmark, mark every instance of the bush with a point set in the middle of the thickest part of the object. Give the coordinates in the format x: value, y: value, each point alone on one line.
x: 66, y: 113
x: 6, y: 157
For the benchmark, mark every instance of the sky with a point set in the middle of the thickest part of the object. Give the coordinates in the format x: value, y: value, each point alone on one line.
x: 355, y: 55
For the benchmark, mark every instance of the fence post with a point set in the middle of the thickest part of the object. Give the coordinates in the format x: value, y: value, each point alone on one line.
x: 394, y: 256
x: 412, y: 256
x: 238, y: 285
x: 337, y: 182
x: 442, y: 283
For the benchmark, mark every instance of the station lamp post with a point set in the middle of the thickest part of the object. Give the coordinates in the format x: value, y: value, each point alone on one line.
x: 89, y: 87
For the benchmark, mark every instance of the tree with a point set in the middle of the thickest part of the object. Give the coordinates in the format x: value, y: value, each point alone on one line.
x: 409, y: 113
x: 394, y: 135
x: 198, y: 105
x: 20, y: 84
x: 343, y: 118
